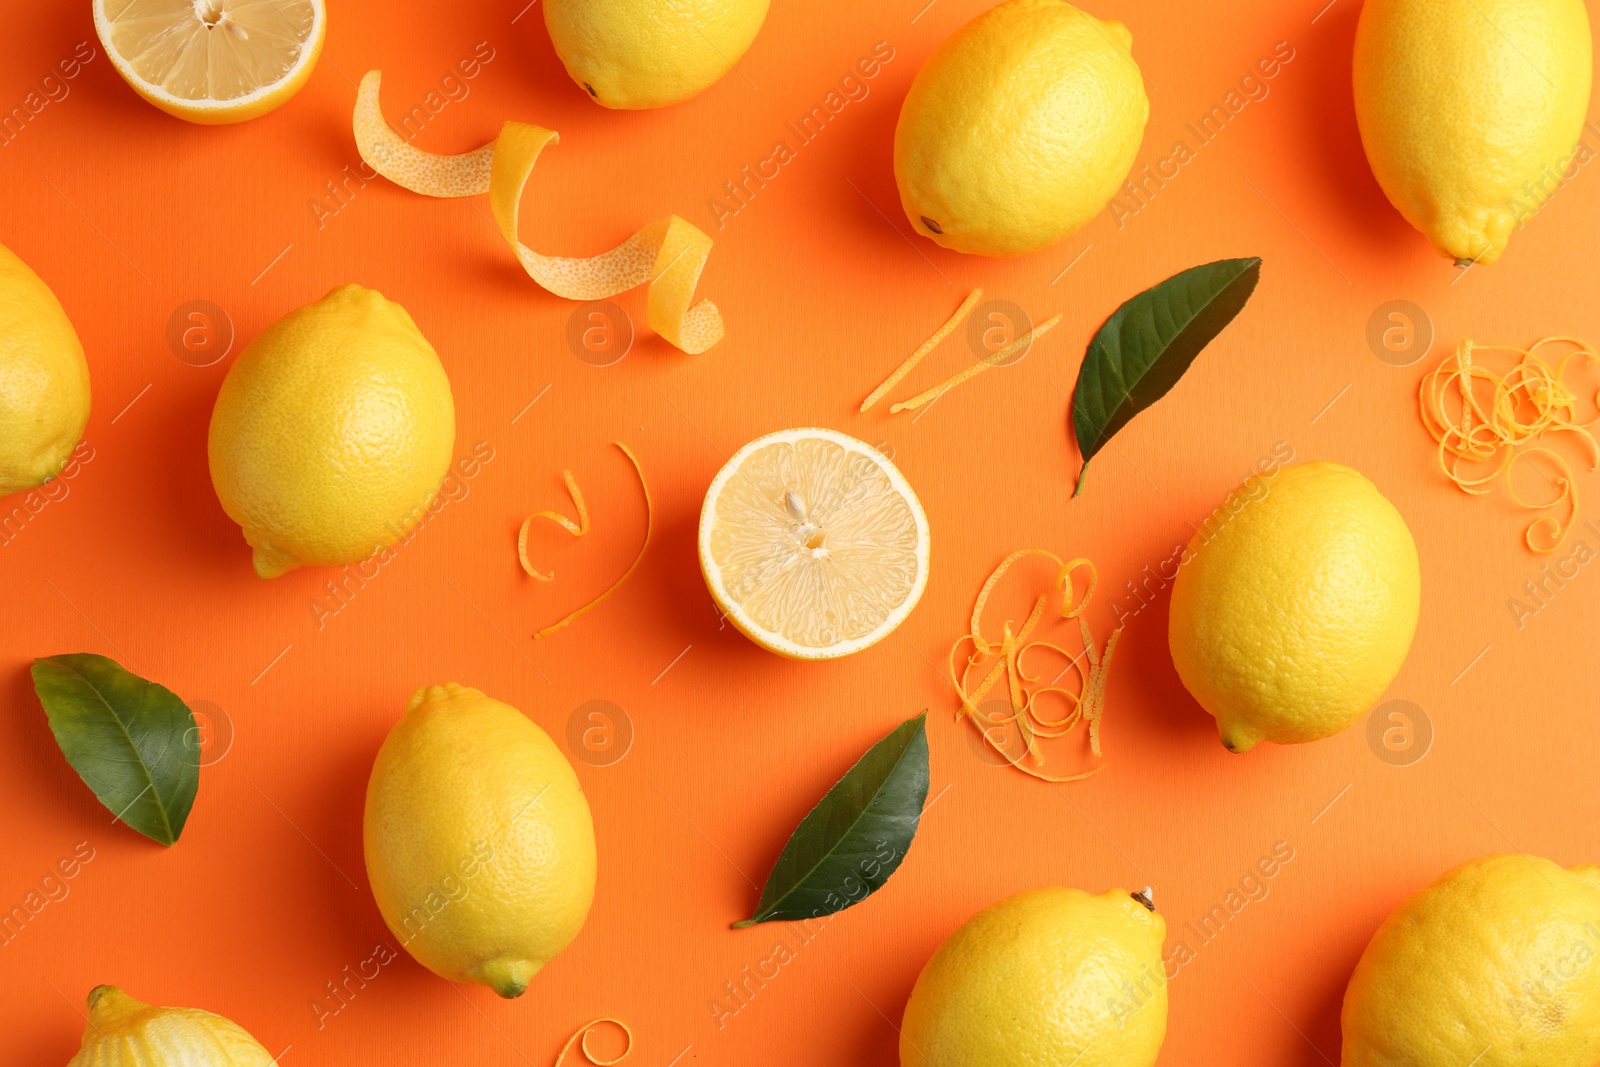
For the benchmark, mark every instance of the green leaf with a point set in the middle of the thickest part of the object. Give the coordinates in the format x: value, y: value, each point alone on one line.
x: 853, y: 840
x: 1148, y: 343
x: 133, y: 742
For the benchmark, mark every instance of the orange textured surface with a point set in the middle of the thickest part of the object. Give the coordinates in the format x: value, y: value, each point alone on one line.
x: 129, y: 214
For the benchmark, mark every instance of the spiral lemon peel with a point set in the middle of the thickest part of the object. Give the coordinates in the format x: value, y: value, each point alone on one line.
x: 905, y: 368
x: 649, y: 525
x: 668, y: 254
x: 576, y: 529
x: 1486, y: 422
x: 581, y: 1040
x: 977, y: 368
x: 1005, y: 659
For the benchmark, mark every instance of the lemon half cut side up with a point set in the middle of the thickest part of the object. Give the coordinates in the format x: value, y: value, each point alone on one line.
x: 213, y: 61
x: 813, y: 544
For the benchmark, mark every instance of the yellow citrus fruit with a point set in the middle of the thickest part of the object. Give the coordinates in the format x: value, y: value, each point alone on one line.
x: 1019, y: 128
x: 1294, y: 605
x: 44, y: 381
x: 813, y: 544
x: 332, y: 432
x: 125, y: 1032
x: 478, y: 840
x: 213, y: 61
x: 1497, y: 964
x: 1470, y: 111
x: 650, y: 53
x: 1050, y: 976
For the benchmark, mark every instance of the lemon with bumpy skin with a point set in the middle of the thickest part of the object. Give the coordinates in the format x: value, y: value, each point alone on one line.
x: 1496, y: 964
x: 1050, y: 976
x: 44, y: 381
x: 332, y: 433
x: 479, y: 843
x: 1019, y: 128
x: 650, y: 53
x: 126, y: 1032
x: 1295, y: 605
x: 1470, y: 111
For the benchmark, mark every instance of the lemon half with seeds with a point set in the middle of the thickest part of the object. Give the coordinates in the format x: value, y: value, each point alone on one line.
x: 813, y: 544
x: 213, y: 61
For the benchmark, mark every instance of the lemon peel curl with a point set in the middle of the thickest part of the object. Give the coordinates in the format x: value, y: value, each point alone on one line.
x: 576, y: 529
x: 649, y: 525
x: 668, y: 254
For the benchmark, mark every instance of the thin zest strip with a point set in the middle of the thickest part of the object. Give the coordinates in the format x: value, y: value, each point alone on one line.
x: 668, y: 254
x: 649, y: 525
x: 927, y: 346
x: 1480, y: 419
x: 977, y: 368
x: 576, y: 529
x: 1085, y: 705
x: 581, y: 1039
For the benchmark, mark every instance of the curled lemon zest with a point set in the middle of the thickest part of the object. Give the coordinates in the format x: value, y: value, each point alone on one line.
x: 581, y: 1039
x: 927, y: 346
x: 1006, y: 658
x: 576, y: 529
x: 1483, y: 423
x: 668, y: 254
x: 977, y: 368
x: 649, y: 523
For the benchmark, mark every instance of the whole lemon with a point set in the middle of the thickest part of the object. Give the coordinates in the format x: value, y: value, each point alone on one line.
x: 1497, y: 964
x: 650, y: 53
x: 1470, y: 111
x: 1294, y: 605
x: 332, y: 432
x: 1019, y: 128
x: 478, y: 840
x: 1050, y: 976
x: 44, y: 381
x: 124, y: 1031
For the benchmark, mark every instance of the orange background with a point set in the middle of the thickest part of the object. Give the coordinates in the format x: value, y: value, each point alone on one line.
x: 128, y: 213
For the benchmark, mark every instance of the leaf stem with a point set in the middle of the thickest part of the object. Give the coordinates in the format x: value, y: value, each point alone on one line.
x: 1083, y: 474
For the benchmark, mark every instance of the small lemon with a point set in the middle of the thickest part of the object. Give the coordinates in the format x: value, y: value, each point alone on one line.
x: 1497, y: 964
x: 1019, y: 128
x: 126, y: 1032
x: 1294, y: 605
x: 1051, y: 976
x: 1470, y: 111
x: 478, y: 840
x: 332, y: 432
x: 650, y: 53
x: 44, y: 381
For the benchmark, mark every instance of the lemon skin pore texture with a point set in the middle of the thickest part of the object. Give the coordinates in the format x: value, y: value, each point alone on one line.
x: 1470, y: 111
x: 1496, y: 964
x: 123, y: 1031
x: 1295, y: 606
x: 1034, y: 979
x: 332, y: 432
x: 1019, y: 128
x: 635, y: 54
x: 44, y: 380
x: 475, y: 817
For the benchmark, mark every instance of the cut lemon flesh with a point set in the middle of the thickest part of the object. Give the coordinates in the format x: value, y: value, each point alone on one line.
x: 212, y: 61
x: 813, y: 544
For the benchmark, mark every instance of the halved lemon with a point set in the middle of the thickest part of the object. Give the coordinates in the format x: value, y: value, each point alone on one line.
x: 813, y: 544
x: 213, y: 61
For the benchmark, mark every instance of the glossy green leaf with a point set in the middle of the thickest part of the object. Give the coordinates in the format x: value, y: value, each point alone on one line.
x: 133, y: 742
x: 1147, y: 345
x: 853, y: 840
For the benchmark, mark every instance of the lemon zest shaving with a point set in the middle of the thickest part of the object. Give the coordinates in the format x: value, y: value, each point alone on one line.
x: 927, y: 346
x: 581, y: 1039
x: 977, y: 368
x: 576, y: 529
x: 1483, y: 423
x: 668, y: 254
x: 1085, y: 705
x: 649, y: 524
